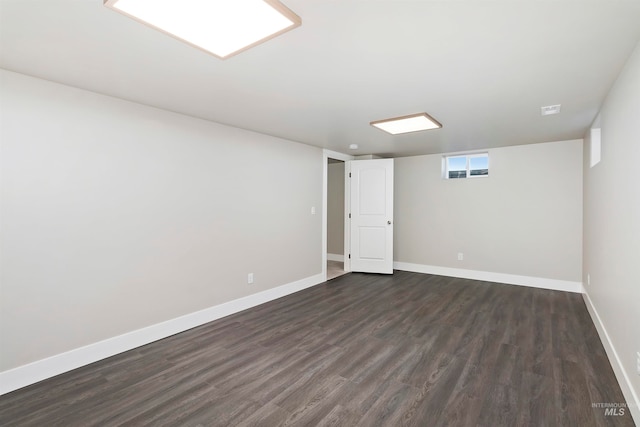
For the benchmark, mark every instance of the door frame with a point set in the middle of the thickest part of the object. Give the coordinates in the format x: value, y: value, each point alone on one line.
x: 326, y: 155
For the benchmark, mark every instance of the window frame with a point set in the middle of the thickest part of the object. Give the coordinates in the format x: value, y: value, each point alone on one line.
x: 468, y: 157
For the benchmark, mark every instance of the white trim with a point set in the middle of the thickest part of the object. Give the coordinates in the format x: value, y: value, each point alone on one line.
x: 46, y: 368
x: 630, y: 395
x: 487, y: 276
x: 337, y: 156
x: 335, y: 257
x: 325, y: 215
x: 347, y: 220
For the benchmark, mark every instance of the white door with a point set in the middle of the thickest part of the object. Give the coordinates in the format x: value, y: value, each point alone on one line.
x: 372, y: 216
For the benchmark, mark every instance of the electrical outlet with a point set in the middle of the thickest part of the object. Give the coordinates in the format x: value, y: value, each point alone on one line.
x: 638, y: 362
x: 588, y: 279
x: 460, y: 256
x: 313, y: 210
x: 250, y: 278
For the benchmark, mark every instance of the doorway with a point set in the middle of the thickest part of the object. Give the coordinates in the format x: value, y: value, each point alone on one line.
x: 335, y: 260
x: 335, y: 218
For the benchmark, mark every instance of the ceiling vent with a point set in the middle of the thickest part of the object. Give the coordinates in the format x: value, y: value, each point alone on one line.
x: 550, y: 109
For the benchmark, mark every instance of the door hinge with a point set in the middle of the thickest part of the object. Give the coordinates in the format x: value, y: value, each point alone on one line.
x: 349, y: 215
x: 349, y: 256
x: 349, y: 174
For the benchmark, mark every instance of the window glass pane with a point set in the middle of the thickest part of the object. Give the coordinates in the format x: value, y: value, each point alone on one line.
x: 479, y: 166
x: 457, y: 167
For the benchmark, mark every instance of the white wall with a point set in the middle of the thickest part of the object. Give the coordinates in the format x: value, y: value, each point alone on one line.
x: 525, y: 219
x: 116, y: 216
x: 335, y: 208
x: 612, y: 228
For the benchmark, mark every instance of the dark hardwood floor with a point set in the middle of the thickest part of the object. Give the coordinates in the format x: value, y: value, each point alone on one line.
x: 361, y: 350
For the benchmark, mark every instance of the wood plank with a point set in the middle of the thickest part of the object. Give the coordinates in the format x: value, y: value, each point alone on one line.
x: 407, y: 349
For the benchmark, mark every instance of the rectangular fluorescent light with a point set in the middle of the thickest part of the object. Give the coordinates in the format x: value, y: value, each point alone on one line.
x: 406, y: 124
x: 220, y: 27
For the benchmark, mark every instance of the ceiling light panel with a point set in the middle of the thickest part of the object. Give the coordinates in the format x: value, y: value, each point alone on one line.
x: 406, y: 124
x: 220, y: 27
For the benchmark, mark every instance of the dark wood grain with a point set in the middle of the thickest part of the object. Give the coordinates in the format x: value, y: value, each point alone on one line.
x: 368, y: 350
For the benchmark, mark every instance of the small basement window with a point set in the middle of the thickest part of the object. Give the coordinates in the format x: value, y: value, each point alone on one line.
x: 466, y: 166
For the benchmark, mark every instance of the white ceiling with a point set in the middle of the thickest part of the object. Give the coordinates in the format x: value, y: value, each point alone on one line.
x: 481, y: 68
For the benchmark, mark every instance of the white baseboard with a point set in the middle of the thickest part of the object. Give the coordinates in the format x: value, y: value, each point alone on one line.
x: 630, y: 395
x: 46, y: 368
x: 487, y: 276
x: 335, y: 257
